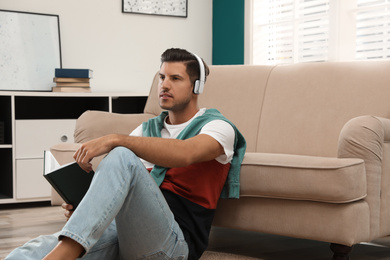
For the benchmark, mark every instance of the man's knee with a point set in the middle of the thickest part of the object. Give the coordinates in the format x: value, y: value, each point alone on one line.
x: 123, y: 159
x: 123, y: 152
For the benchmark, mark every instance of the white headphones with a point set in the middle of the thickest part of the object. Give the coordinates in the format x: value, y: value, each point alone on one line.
x: 199, y: 84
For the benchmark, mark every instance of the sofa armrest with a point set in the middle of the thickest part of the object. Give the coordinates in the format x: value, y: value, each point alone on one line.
x: 365, y: 137
x: 63, y: 152
x: 94, y: 124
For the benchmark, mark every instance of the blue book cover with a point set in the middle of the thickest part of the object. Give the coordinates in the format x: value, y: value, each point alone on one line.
x: 73, y: 73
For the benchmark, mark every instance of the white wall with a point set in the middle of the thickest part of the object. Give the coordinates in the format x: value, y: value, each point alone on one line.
x: 123, y: 49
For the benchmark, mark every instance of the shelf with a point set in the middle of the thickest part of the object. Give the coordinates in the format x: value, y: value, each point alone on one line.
x: 128, y: 104
x: 31, y: 122
x: 5, y: 120
x: 6, y: 179
x: 36, y: 107
x: 3, y: 196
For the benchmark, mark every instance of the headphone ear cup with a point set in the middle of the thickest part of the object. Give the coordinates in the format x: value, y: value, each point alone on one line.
x: 196, y: 87
x: 199, y: 84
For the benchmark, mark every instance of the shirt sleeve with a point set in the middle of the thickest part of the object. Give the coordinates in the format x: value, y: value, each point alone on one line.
x: 137, y: 131
x: 224, y: 133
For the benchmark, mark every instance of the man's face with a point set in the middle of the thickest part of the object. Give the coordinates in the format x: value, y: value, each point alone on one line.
x: 175, y: 88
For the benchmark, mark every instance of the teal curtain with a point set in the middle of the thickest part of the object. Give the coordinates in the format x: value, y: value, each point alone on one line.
x: 228, y: 32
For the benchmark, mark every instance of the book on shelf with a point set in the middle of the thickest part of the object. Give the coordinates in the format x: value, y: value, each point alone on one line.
x: 69, y: 180
x: 73, y: 84
x: 73, y: 73
x: 71, y: 80
x: 71, y: 89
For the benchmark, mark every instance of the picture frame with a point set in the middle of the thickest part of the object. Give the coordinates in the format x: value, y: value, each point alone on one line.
x: 30, y: 50
x: 175, y: 8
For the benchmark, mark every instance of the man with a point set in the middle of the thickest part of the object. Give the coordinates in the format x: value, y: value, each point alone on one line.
x: 188, y: 152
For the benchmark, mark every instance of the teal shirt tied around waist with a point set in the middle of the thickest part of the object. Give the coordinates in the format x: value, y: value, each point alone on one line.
x: 231, y: 189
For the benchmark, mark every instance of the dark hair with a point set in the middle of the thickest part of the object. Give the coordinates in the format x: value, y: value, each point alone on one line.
x: 181, y: 55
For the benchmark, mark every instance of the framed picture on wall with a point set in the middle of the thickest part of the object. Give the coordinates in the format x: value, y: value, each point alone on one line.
x: 176, y: 8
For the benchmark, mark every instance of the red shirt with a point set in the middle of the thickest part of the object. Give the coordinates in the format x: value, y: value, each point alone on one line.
x: 200, y: 183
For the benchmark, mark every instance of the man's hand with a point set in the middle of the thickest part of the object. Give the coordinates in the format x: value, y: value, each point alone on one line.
x: 92, y: 149
x: 68, y: 210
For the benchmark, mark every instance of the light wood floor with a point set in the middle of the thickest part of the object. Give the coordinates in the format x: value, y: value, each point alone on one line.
x: 22, y: 224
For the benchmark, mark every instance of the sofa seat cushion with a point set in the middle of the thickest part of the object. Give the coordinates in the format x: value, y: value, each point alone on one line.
x: 296, y: 177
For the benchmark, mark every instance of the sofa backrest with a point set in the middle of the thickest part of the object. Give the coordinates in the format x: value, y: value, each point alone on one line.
x: 294, y: 109
x: 238, y: 93
x: 307, y: 104
x: 152, y: 106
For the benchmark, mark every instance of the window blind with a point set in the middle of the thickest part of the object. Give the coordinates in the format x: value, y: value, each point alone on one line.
x: 372, y: 29
x: 290, y: 31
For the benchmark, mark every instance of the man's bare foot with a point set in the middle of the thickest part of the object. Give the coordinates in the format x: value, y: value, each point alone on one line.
x: 66, y: 249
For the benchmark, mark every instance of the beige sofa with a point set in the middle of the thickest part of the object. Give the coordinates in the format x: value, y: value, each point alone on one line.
x: 318, y: 158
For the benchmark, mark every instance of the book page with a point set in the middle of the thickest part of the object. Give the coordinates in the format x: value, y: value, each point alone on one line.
x: 50, y: 163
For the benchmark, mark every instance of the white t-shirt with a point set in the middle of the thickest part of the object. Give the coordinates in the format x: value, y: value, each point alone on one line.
x: 220, y: 130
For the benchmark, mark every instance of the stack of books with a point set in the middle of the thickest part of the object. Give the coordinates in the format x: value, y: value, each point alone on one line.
x: 72, y: 80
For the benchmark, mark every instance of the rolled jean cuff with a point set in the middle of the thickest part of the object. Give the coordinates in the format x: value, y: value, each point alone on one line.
x: 76, y: 238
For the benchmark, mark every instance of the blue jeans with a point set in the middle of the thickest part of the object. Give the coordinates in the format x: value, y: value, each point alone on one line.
x: 123, y: 216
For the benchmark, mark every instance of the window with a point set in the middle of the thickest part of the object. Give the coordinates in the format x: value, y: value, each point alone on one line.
x: 291, y: 31
x: 373, y: 29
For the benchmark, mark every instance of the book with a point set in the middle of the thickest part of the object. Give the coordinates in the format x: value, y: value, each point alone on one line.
x: 70, y: 89
x: 70, y: 181
x: 71, y: 80
x: 73, y: 84
x: 73, y: 73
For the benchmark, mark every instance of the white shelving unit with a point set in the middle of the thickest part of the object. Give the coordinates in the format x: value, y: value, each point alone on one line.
x: 34, y: 121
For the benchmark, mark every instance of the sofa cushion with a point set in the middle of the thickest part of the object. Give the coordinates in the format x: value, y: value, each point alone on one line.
x: 295, y: 177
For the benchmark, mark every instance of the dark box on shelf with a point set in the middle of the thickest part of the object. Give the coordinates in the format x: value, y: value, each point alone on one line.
x: 2, y: 132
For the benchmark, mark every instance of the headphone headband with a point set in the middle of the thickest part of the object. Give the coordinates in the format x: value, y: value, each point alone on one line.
x: 199, y: 84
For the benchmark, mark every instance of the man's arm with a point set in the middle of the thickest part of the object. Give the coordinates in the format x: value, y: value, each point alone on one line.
x: 164, y: 152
